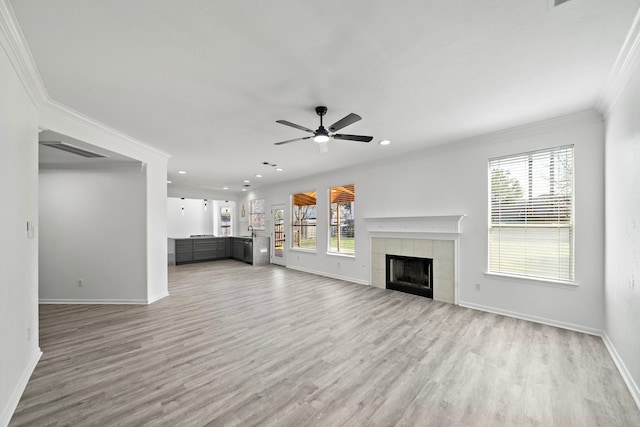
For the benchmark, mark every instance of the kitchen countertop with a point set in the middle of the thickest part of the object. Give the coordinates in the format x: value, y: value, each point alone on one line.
x: 212, y: 237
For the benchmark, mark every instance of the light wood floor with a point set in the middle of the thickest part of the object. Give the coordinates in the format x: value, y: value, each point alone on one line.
x: 242, y: 345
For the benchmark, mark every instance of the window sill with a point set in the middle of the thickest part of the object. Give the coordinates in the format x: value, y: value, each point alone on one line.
x: 341, y: 255
x: 306, y: 251
x: 534, y: 280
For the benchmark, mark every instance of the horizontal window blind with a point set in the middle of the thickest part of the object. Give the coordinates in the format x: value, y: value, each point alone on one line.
x: 531, y: 214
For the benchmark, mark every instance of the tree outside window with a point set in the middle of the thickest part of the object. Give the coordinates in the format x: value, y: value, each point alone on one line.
x: 256, y: 214
x: 303, y: 224
x: 531, y: 225
x: 341, y: 221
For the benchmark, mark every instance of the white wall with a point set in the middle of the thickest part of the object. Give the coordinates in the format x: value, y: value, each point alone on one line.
x: 195, y: 219
x: 19, y: 351
x: 452, y: 179
x: 156, y: 228
x: 65, y: 121
x: 622, y: 245
x: 93, y: 227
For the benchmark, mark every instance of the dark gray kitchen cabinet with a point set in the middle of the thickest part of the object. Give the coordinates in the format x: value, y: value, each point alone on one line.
x: 205, y: 249
x: 221, y: 247
x: 184, y: 250
x: 238, y: 249
x: 229, y: 247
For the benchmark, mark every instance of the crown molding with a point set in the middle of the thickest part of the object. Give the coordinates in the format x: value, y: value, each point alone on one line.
x: 556, y: 124
x: 528, y: 130
x: 624, y: 66
x: 14, y: 44
x: 57, y: 109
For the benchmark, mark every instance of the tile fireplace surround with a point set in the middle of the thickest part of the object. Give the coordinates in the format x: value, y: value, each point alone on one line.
x: 434, y: 237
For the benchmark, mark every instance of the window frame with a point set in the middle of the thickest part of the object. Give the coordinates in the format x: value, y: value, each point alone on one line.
x: 536, y: 216
x: 257, y: 214
x: 292, y: 241
x: 330, y: 250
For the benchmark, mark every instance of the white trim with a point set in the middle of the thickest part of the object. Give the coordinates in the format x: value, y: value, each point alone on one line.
x: 534, y: 280
x: 622, y: 368
x: 158, y: 297
x: 341, y: 255
x: 632, y: 386
x: 93, y: 301
x: 581, y: 118
x: 622, y: 70
x: 332, y: 276
x: 536, y: 319
x: 448, y: 224
x: 15, y: 45
x: 14, y: 399
x: 17, y: 49
x: 303, y: 250
x: 54, y: 108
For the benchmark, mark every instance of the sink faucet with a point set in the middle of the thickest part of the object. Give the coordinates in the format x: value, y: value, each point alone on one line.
x: 250, y: 228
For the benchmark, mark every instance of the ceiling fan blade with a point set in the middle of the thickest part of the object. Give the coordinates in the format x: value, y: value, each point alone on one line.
x: 360, y: 138
x: 344, y: 122
x: 324, y: 147
x: 291, y: 140
x: 293, y: 125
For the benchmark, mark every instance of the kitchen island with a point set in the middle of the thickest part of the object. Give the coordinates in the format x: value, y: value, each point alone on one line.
x: 252, y: 250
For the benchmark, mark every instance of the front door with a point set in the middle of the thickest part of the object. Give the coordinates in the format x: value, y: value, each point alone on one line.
x: 278, y: 237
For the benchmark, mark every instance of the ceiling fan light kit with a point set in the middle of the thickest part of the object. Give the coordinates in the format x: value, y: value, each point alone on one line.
x: 322, y: 135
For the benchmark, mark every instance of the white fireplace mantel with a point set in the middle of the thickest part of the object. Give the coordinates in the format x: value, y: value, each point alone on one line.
x: 449, y: 224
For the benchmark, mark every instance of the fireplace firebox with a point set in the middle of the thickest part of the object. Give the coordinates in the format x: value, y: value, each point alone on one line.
x: 410, y: 274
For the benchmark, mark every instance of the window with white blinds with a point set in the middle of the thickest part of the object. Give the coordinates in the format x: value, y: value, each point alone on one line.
x: 531, y: 214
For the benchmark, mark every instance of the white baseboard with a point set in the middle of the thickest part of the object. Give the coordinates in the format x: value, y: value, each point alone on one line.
x: 157, y: 297
x: 333, y: 276
x: 536, y: 319
x: 93, y: 301
x: 622, y: 368
x: 617, y: 360
x: 12, y: 404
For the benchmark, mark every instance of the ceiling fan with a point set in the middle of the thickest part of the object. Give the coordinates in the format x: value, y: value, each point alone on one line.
x: 323, y: 135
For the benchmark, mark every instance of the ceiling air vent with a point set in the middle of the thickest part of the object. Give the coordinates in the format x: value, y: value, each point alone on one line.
x: 71, y: 149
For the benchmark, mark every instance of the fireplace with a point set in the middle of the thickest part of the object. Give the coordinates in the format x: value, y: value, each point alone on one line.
x: 433, y: 237
x: 410, y: 274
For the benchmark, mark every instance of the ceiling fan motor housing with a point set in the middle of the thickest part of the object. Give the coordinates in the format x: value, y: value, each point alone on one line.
x: 321, y: 110
x: 323, y: 134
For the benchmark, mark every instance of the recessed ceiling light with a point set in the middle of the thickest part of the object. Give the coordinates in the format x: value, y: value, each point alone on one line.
x: 169, y: 182
x: 225, y: 188
x: 182, y: 172
x: 258, y: 175
x: 246, y: 181
x: 384, y: 142
x: 244, y: 189
x: 279, y: 169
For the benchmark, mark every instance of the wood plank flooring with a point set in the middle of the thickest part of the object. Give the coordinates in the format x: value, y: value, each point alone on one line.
x: 237, y: 345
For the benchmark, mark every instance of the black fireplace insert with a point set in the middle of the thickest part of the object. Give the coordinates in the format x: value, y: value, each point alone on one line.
x: 410, y: 274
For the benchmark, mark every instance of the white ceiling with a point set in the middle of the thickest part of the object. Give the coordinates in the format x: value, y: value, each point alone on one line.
x: 49, y: 157
x: 205, y: 80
